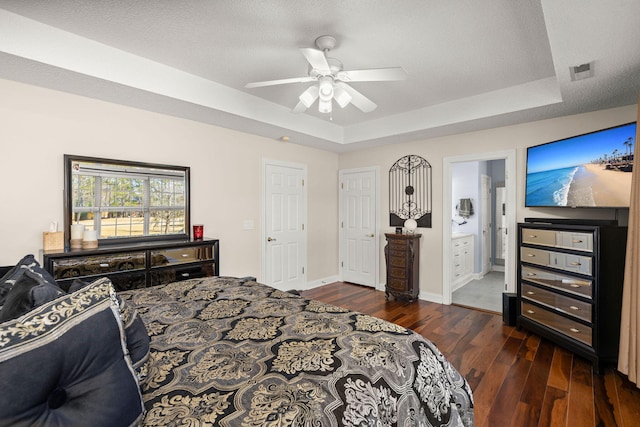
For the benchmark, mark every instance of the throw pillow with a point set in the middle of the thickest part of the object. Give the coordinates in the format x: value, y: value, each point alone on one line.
x: 28, y: 292
x: 65, y: 363
x: 27, y: 263
x: 138, y: 341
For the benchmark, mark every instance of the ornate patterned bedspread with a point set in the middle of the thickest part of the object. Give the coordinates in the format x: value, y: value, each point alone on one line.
x: 229, y: 353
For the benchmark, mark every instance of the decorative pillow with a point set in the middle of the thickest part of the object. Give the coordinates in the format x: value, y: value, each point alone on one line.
x: 28, y: 292
x: 138, y: 340
x: 28, y: 263
x: 65, y: 363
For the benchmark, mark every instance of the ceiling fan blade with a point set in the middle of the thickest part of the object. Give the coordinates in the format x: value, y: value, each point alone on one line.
x: 358, y: 99
x: 299, y: 108
x: 280, y: 82
x: 317, y: 60
x: 373, y: 75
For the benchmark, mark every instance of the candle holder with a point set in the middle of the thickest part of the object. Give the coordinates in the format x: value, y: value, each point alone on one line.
x: 90, y: 239
x: 198, y: 232
x: 77, y: 234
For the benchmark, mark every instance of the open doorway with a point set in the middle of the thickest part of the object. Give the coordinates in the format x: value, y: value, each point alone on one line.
x: 479, y: 211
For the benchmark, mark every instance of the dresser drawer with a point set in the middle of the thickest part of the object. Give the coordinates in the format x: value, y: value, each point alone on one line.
x: 535, y: 256
x: 82, y: 266
x: 559, y: 239
x: 161, y: 276
x: 174, y: 256
x: 121, y: 280
x: 398, y: 245
x: 461, y: 242
x: 555, y: 321
x: 535, y: 236
x: 577, y: 241
x: 571, y: 306
x: 568, y: 262
x: 557, y: 281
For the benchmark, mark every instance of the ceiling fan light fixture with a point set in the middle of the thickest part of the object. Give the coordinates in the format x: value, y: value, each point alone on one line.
x: 341, y: 96
x: 309, y: 96
x: 325, y: 88
x: 324, y: 105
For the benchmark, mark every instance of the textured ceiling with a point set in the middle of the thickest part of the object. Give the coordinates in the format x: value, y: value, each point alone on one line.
x: 470, y: 65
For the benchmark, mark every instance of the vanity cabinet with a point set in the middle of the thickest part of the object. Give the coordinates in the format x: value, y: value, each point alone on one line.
x: 402, y: 255
x: 570, y: 286
x: 462, y: 260
x: 136, y: 265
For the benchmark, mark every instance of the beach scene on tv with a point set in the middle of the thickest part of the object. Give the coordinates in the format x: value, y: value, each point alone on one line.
x: 587, y: 170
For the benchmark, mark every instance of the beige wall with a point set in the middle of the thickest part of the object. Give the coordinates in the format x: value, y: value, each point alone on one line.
x: 491, y: 140
x: 38, y: 126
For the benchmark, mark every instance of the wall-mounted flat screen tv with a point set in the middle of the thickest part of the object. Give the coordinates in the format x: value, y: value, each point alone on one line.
x: 589, y: 170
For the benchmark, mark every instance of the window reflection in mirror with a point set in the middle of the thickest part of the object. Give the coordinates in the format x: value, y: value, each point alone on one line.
x: 126, y: 201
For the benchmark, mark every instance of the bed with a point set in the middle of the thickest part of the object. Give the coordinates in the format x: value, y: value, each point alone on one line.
x: 222, y: 351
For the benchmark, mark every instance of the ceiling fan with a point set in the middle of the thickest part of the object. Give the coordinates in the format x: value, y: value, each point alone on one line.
x: 331, y: 80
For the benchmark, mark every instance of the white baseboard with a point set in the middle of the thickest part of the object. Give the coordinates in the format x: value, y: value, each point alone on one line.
x: 428, y: 296
x: 321, y: 282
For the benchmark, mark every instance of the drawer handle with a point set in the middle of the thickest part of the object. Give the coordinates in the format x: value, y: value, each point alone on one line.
x: 575, y: 330
x: 533, y: 236
x: 573, y: 285
x: 573, y: 307
x: 530, y: 293
x: 104, y: 264
x: 184, y: 255
x: 578, y: 241
x: 531, y: 312
x: 576, y: 263
x: 185, y: 274
x: 531, y: 255
x: 531, y: 274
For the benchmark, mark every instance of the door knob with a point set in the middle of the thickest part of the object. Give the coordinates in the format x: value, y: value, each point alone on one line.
x: 270, y: 239
x: 371, y: 235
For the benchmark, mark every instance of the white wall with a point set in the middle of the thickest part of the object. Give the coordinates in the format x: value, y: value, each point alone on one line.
x: 490, y: 140
x: 38, y: 126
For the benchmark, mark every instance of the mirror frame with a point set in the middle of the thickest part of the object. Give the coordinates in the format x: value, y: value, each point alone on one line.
x: 68, y: 200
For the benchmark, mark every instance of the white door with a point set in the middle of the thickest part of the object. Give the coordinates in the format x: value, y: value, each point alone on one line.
x: 501, y: 223
x: 285, y: 254
x: 358, y: 226
x: 486, y: 222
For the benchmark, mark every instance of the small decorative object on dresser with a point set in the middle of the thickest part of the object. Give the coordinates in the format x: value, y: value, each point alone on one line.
x: 402, y: 254
x: 77, y: 234
x: 198, y: 232
x: 570, y: 286
x: 90, y: 239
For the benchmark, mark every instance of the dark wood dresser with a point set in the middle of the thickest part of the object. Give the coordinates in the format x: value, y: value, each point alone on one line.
x: 136, y: 265
x: 402, y: 255
x: 570, y: 286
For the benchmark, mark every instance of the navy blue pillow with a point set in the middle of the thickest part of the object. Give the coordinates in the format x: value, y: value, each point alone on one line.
x: 138, y: 341
x: 28, y: 292
x: 65, y: 363
x: 27, y: 263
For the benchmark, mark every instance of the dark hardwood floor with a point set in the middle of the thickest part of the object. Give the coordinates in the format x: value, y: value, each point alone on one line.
x: 518, y: 379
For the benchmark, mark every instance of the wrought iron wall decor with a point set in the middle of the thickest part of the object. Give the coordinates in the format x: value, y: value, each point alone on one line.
x: 410, y: 191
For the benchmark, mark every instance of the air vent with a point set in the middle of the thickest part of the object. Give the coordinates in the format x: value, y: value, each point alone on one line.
x: 581, y: 72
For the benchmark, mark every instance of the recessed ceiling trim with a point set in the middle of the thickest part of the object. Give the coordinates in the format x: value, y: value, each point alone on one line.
x: 35, y: 41
x: 516, y: 98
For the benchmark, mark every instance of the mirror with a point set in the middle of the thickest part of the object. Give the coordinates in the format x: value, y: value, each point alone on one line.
x: 124, y: 201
